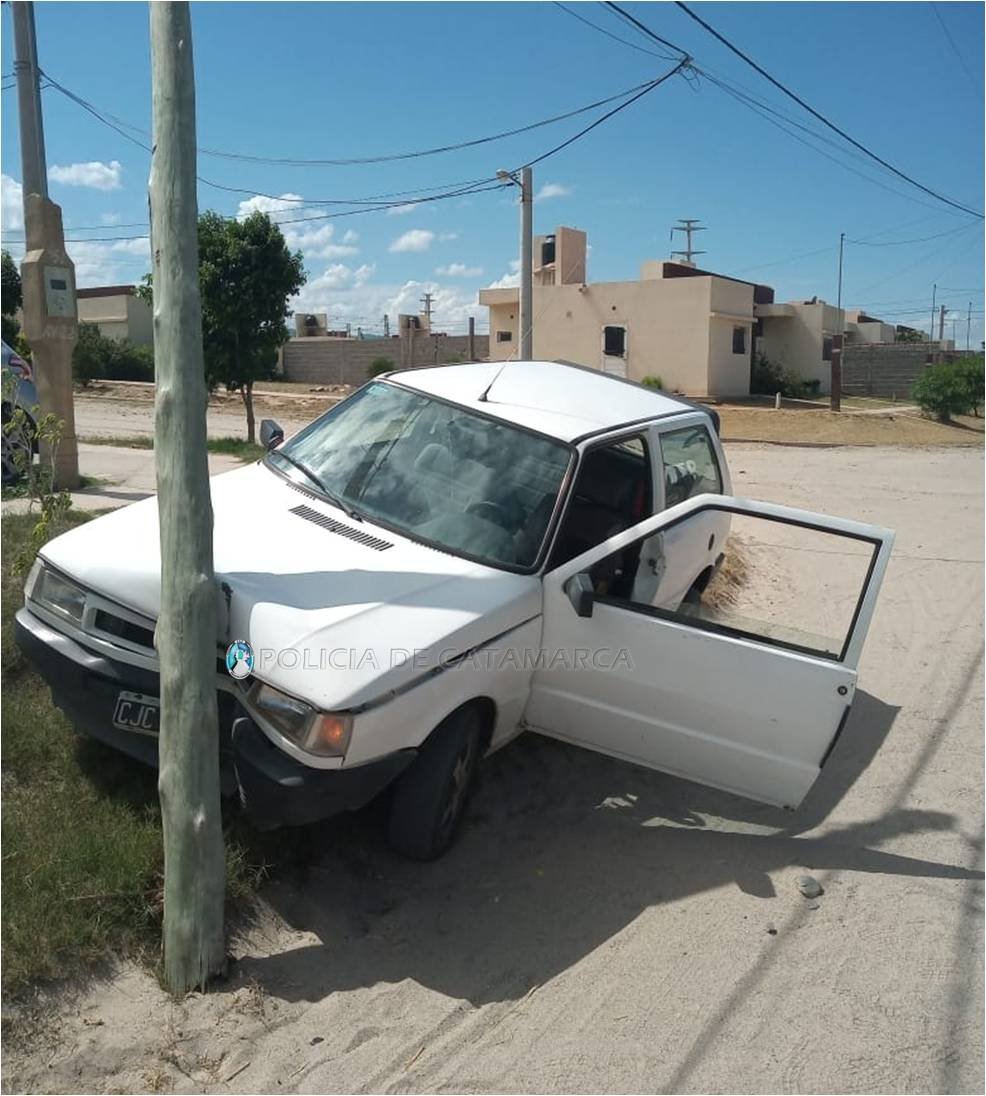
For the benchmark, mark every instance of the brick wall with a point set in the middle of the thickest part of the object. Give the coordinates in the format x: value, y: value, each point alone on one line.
x: 345, y: 361
x: 888, y: 369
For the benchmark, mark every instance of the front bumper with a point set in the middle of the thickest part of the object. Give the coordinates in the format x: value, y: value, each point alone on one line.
x: 276, y: 790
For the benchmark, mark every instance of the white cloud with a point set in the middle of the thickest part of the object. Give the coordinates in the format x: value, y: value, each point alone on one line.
x: 446, y: 236
x: 402, y: 210
x: 417, y: 239
x: 350, y: 237
x: 459, y: 270
x: 316, y: 243
x: 262, y: 203
x: 12, y: 195
x: 552, y: 190
x: 361, y: 302
x: 110, y: 218
x: 94, y: 174
x: 508, y: 281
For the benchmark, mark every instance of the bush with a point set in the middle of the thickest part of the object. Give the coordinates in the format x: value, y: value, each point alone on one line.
x: 767, y: 378
x: 10, y: 329
x: 653, y: 382
x: 378, y: 366
x: 97, y: 357
x: 950, y: 388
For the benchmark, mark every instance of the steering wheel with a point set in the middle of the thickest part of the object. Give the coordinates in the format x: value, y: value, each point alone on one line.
x: 490, y: 511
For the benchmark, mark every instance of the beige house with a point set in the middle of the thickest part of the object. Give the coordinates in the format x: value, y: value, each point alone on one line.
x: 798, y: 335
x: 691, y: 328
x: 118, y: 313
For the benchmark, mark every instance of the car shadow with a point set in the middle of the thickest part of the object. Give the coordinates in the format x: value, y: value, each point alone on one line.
x: 562, y: 850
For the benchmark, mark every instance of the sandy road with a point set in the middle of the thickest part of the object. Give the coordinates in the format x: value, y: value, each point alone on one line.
x: 601, y: 928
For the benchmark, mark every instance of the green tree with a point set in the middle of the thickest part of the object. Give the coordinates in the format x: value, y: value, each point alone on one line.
x: 12, y: 297
x: 246, y: 275
x: 378, y: 366
x: 950, y: 388
x: 906, y: 334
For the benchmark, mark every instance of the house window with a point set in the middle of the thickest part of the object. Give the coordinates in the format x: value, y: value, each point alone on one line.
x: 615, y: 341
x: 826, y: 348
x: 739, y: 340
x: 504, y: 336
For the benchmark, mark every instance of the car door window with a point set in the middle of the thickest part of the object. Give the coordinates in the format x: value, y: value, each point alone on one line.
x: 690, y: 465
x: 781, y: 583
x: 612, y: 491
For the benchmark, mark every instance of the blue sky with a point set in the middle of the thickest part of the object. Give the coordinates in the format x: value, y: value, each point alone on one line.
x: 353, y: 80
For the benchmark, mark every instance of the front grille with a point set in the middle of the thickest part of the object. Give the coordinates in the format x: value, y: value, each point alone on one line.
x: 123, y: 629
x: 378, y: 544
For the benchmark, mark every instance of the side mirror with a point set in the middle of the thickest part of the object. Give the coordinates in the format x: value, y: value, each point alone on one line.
x: 271, y: 435
x: 580, y: 593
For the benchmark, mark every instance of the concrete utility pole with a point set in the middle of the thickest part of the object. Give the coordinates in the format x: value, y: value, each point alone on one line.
x: 968, y: 327
x: 934, y: 295
x: 386, y: 326
x: 471, y: 351
x: 835, y: 398
x: 526, y: 319
x: 941, y: 323
x: 688, y: 226
x: 51, y: 323
x: 187, y: 629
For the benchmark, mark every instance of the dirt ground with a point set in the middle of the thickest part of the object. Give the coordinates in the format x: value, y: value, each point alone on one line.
x: 602, y: 928
x: 809, y: 425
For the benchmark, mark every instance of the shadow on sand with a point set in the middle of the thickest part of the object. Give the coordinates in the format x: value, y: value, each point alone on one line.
x: 562, y: 849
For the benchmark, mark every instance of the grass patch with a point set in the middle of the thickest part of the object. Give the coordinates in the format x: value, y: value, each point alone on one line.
x: 233, y: 447
x: 81, y: 828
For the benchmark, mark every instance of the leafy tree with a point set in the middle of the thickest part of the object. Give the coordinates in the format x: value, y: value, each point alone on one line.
x: 378, y: 366
x: 906, y: 334
x: 12, y: 297
x: 950, y: 388
x: 97, y: 356
x: 246, y: 275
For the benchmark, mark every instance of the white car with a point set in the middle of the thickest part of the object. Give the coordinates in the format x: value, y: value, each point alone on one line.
x: 450, y: 556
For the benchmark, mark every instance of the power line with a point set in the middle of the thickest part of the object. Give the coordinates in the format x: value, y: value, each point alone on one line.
x: 628, y: 18
x: 609, y: 114
x: 363, y: 160
x: 609, y: 34
x: 955, y: 49
x: 821, y: 117
x: 916, y: 240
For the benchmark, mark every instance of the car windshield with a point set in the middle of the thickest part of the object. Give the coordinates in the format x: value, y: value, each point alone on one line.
x: 466, y: 483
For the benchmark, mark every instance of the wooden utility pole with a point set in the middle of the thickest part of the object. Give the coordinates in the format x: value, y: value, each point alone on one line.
x: 188, y: 783
x: 47, y: 273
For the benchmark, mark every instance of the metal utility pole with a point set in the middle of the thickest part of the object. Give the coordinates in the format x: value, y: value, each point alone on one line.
x: 188, y: 626
x: 688, y: 226
x: 426, y: 301
x: 526, y: 320
x: 835, y: 397
x: 51, y: 322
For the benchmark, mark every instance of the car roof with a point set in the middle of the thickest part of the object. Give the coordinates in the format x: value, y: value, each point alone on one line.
x: 563, y: 400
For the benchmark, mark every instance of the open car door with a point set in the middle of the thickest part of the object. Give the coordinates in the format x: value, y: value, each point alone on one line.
x: 746, y: 688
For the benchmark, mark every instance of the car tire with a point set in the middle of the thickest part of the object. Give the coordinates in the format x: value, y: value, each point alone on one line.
x: 430, y: 798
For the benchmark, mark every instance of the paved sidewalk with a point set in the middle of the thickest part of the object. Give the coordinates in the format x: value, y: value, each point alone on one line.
x: 123, y: 475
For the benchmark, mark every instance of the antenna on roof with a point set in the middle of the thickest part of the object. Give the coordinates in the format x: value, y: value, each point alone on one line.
x: 486, y: 390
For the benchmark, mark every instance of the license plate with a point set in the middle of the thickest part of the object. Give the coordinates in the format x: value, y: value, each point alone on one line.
x: 138, y: 713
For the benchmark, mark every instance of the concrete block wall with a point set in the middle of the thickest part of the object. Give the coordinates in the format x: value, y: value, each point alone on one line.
x: 888, y: 369
x: 345, y: 361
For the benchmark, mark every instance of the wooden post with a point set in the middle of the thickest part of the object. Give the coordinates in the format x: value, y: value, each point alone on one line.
x: 188, y: 784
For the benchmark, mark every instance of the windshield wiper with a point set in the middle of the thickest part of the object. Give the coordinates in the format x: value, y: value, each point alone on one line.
x: 330, y: 495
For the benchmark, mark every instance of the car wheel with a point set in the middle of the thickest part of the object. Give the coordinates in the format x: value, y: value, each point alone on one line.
x: 430, y: 797
x: 18, y: 447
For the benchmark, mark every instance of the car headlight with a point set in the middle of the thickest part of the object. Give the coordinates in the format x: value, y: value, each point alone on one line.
x: 316, y: 732
x: 55, y: 592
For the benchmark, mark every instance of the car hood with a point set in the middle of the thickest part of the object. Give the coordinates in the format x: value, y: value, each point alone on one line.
x: 339, y: 612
